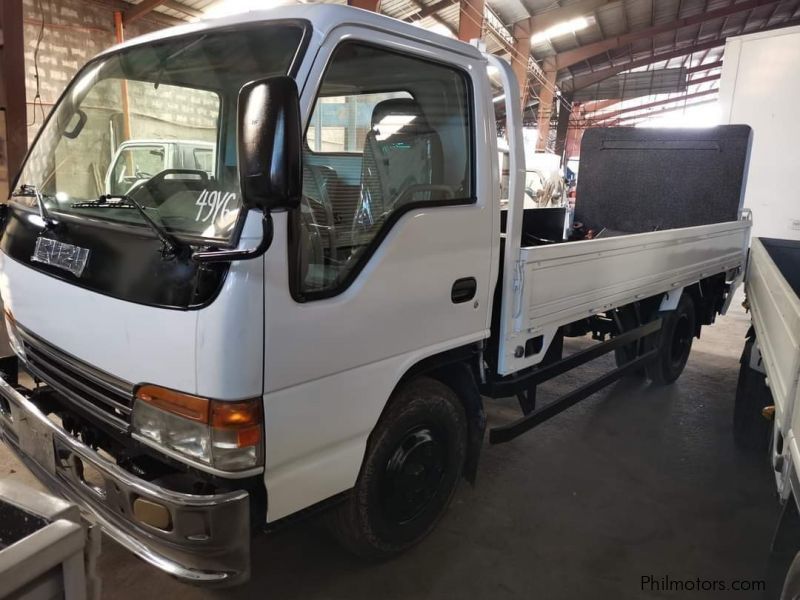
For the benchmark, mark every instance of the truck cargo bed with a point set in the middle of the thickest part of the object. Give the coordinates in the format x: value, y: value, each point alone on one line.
x: 773, y: 287
x: 673, y: 200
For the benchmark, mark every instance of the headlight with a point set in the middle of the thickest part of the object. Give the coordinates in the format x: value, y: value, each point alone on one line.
x: 223, y: 435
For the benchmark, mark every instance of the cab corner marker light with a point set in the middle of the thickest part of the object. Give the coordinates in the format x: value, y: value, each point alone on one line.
x: 183, y: 405
x: 242, y: 417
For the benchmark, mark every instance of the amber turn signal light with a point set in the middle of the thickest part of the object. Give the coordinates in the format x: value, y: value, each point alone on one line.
x: 187, y: 406
x: 241, y: 418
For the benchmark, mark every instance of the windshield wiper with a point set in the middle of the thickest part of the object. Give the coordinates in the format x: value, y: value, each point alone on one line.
x: 171, y: 244
x: 31, y: 190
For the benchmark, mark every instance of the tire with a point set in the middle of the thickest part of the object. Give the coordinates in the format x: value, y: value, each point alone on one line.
x: 751, y: 430
x: 674, y: 342
x: 413, y: 462
x: 791, y: 584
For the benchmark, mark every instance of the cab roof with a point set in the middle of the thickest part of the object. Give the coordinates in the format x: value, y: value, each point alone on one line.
x: 323, y: 19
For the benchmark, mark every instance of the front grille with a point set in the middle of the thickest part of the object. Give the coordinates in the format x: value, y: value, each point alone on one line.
x: 104, y: 396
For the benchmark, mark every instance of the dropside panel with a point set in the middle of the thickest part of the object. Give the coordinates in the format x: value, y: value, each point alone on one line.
x: 564, y: 283
x: 775, y: 311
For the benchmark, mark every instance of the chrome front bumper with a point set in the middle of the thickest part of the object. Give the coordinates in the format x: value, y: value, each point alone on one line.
x: 208, y: 540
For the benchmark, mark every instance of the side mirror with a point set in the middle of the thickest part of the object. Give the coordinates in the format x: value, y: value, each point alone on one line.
x: 269, y: 144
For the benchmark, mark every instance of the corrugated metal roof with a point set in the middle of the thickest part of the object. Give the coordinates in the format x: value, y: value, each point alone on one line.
x: 627, y: 16
x: 606, y: 20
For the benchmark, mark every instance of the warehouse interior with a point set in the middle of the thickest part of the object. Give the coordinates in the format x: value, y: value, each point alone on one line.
x: 638, y: 491
x: 617, y: 63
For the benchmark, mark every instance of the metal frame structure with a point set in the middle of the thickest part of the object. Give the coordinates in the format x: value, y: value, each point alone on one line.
x: 524, y: 386
x: 622, y: 36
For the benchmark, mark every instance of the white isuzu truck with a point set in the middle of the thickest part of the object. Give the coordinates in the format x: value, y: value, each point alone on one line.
x: 766, y: 415
x: 315, y: 320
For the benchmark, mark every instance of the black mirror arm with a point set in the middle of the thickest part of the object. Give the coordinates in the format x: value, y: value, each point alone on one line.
x: 216, y: 256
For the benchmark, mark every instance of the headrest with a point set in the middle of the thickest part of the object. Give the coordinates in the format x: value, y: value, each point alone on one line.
x: 406, y: 107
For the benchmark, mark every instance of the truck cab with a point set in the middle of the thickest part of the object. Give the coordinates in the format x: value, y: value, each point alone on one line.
x: 136, y: 161
x: 190, y: 388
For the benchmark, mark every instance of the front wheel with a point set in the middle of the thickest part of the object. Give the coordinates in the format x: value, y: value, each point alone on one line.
x: 413, y: 462
x: 675, y: 343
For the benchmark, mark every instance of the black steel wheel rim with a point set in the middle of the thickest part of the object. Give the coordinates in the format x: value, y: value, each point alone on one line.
x: 681, y: 340
x: 414, y: 473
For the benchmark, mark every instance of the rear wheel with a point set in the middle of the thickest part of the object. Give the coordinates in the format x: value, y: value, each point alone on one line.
x: 412, y: 466
x: 675, y: 342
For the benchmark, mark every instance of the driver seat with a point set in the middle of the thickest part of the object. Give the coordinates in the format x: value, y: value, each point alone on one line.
x: 401, y: 150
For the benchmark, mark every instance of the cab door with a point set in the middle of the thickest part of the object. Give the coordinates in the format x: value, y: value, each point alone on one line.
x: 389, y: 260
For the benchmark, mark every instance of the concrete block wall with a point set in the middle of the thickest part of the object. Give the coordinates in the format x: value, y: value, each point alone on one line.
x: 74, y: 31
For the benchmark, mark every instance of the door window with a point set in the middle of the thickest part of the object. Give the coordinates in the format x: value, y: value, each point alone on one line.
x: 389, y: 132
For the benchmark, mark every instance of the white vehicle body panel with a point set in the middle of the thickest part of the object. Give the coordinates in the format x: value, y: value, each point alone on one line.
x: 563, y: 283
x: 172, y: 348
x: 760, y: 70
x: 135, y: 342
x: 775, y: 310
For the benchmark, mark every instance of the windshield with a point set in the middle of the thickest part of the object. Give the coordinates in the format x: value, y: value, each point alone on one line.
x: 157, y: 122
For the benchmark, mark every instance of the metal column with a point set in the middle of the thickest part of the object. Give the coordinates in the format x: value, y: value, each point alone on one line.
x: 470, y: 21
x: 12, y: 85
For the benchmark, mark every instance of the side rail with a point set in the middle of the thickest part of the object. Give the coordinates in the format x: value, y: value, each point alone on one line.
x: 564, y: 283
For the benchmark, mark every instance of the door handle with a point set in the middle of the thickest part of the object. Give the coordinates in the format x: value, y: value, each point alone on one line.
x: 463, y: 290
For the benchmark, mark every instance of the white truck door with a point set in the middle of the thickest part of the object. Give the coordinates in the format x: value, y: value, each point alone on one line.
x: 390, y: 258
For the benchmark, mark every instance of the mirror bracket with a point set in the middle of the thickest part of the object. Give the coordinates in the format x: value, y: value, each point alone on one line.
x: 217, y: 256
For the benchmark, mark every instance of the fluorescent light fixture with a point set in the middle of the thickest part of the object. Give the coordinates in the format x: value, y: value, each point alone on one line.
x: 224, y: 8
x: 560, y: 29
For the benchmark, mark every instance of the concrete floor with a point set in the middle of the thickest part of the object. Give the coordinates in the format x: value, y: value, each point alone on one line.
x: 635, y: 481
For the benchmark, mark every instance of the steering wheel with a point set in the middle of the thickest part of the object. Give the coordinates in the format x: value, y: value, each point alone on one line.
x: 150, y: 186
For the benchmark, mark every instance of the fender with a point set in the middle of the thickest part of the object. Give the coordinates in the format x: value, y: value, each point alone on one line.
x: 456, y: 368
x: 671, y: 299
